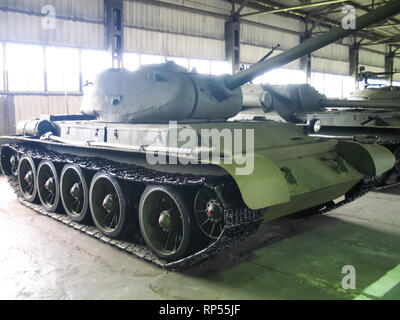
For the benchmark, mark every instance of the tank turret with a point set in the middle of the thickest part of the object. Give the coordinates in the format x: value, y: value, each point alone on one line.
x: 166, y: 92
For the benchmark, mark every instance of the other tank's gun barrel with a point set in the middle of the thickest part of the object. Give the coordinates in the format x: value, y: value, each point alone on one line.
x: 368, y: 104
x: 234, y: 81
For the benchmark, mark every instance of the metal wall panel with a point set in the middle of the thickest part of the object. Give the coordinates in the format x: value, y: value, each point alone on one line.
x: 24, y: 28
x: 78, y: 23
x: 33, y: 106
x: 258, y: 36
x: 74, y: 9
x: 275, y: 20
x: 372, y: 59
x: 144, y: 41
x: 158, y: 18
x: 330, y: 66
x: 251, y: 54
x: 7, y: 116
x: 334, y: 52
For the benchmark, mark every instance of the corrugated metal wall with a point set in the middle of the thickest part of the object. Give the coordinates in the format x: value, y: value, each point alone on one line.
x: 78, y: 23
x: 144, y: 41
x: 160, y: 30
x: 7, y: 116
x: 155, y: 17
x: 151, y: 28
x: 28, y: 106
x: 156, y: 29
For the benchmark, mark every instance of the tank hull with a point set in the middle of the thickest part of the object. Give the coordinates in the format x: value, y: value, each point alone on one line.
x: 284, y: 162
x: 255, y: 170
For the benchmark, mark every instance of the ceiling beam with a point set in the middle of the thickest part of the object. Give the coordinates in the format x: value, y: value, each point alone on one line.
x: 300, y: 7
x: 389, y: 40
x: 241, y: 7
x: 385, y: 26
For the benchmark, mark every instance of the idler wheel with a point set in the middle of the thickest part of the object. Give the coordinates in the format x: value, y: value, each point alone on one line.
x: 74, y: 193
x: 209, y: 213
x: 107, y: 205
x: 14, y: 162
x: 165, y: 222
x: 27, y: 178
x: 48, y: 186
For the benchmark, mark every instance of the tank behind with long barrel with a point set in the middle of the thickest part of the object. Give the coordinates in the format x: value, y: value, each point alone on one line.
x: 153, y: 159
x: 329, y: 118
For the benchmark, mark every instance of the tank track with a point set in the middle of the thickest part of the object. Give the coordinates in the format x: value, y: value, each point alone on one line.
x: 240, y: 221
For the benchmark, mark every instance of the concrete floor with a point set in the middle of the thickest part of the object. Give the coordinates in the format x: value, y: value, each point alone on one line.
x: 290, y: 258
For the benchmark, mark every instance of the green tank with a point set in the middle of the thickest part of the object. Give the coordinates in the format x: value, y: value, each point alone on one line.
x: 376, y: 92
x: 360, y: 120
x: 154, y: 164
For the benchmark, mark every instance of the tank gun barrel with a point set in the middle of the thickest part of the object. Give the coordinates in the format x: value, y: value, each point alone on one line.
x: 234, y: 81
x: 368, y: 104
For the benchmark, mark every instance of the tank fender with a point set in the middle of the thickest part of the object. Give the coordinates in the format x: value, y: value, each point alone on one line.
x: 370, y: 159
x: 264, y: 187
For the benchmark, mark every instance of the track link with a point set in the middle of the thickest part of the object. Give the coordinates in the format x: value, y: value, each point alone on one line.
x: 240, y: 222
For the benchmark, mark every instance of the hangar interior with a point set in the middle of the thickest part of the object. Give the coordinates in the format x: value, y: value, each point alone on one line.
x: 52, y: 50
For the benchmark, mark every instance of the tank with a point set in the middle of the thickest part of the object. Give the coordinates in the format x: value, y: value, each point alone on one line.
x: 154, y: 167
x: 358, y: 120
x: 373, y: 91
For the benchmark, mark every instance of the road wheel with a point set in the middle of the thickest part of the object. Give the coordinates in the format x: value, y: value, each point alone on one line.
x: 74, y: 193
x: 108, y: 205
x: 27, y: 178
x: 165, y: 222
x: 48, y: 186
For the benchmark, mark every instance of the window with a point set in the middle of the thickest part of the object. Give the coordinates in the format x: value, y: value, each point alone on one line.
x: 378, y: 82
x: 1, y: 68
x: 271, y: 77
x: 201, y: 66
x: 131, y: 61
x: 94, y: 62
x: 333, y: 86
x: 317, y: 81
x: 297, y: 77
x: 151, y: 59
x: 184, y: 62
x: 349, y: 86
x: 62, y: 67
x: 258, y: 80
x: 25, y: 65
x: 220, y: 67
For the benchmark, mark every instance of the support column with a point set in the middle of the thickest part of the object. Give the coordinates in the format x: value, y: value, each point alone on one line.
x: 5, y: 71
x: 389, y: 64
x: 232, y: 43
x: 354, y: 62
x: 305, y: 61
x: 115, y: 33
